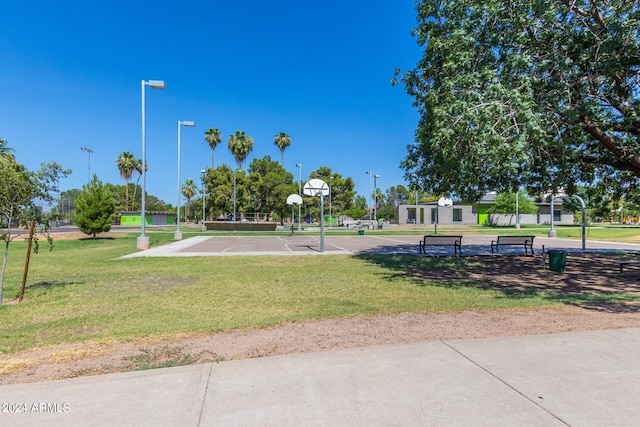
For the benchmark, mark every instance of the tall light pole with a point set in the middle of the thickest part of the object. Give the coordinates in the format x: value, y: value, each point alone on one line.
x: 299, y: 166
x: 369, y: 173
x: 234, y: 194
x: 88, y: 151
x: 143, y: 241
x: 330, y: 213
x: 375, y: 199
x: 177, y: 235
x: 203, y: 175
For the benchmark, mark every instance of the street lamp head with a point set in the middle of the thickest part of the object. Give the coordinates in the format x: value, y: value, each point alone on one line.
x: 157, y: 84
x: 376, y: 176
x: 298, y: 165
x: 188, y: 123
x: 88, y: 150
x: 368, y: 172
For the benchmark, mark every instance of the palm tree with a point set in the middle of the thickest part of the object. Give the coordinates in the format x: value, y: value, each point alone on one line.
x: 282, y: 140
x: 378, y: 196
x: 213, y: 137
x: 6, y: 152
x: 126, y: 164
x: 138, y: 168
x: 240, y: 146
x: 189, y: 190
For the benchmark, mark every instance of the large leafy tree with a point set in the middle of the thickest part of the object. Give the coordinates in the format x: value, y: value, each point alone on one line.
x: 389, y: 201
x: 505, y: 203
x: 126, y: 163
x: 393, y: 197
x: 282, y: 140
x: 219, y: 189
x: 598, y: 199
x: 118, y: 193
x: 537, y: 93
x: 263, y: 190
x: 399, y: 195
x: 213, y: 138
x: 358, y: 209
x: 94, y: 208
x: 242, y: 193
x: 342, y: 192
x: 269, y: 186
x: 240, y: 145
x: 152, y: 202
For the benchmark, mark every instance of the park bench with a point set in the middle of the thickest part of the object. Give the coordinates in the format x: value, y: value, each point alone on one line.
x: 526, y: 241
x: 455, y: 241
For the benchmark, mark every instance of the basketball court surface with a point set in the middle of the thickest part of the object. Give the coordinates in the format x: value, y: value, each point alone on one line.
x: 302, y: 244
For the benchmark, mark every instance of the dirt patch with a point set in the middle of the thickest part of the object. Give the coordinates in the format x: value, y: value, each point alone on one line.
x: 66, y: 361
x: 590, y: 280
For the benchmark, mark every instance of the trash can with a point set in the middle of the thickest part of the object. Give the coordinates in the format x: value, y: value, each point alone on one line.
x: 360, y: 232
x: 557, y: 260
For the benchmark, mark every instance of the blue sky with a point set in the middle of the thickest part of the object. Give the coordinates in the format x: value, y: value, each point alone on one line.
x: 71, y: 72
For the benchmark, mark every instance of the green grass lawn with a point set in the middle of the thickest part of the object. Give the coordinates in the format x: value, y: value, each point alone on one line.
x: 83, y: 290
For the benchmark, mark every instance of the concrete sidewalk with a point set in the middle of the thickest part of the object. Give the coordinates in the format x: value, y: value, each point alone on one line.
x: 578, y: 378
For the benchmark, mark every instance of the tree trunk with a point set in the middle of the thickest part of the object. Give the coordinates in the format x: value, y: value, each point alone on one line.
x: 126, y: 195
x: 32, y: 226
x: 4, y: 265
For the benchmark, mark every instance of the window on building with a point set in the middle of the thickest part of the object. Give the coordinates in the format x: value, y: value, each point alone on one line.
x: 434, y: 215
x: 557, y: 216
x: 457, y: 215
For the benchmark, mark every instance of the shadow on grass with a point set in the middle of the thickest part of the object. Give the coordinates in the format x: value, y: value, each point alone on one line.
x: 591, y: 281
x: 97, y: 238
x: 48, y: 284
